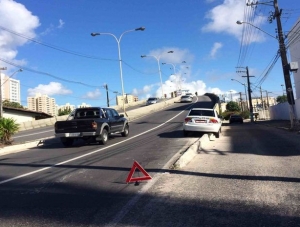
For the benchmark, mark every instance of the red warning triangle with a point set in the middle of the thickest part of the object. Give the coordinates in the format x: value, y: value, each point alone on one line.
x: 134, y: 166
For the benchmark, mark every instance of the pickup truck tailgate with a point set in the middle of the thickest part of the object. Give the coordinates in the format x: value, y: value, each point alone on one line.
x: 84, y: 125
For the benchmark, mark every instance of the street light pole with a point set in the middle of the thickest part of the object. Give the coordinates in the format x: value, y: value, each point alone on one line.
x: 174, y: 70
x: 19, y: 70
x: 119, y: 54
x: 157, y: 59
x: 245, y: 91
x: 282, y: 89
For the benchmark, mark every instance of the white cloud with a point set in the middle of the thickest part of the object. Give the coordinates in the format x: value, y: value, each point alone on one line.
x: 93, y: 94
x: 52, y: 28
x: 223, y: 19
x: 24, y: 23
x: 53, y: 88
x: 215, y: 49
x: 61, y: 23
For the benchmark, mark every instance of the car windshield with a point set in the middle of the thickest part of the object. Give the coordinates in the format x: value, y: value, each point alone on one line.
x: 152, y: 99
x: 185, y: 96
x: 209, y: 113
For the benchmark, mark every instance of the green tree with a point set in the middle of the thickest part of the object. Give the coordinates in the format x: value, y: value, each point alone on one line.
x: 65, y: 111
x: 8, y: 103
x: 281, y: 99
x: 233, y: 106
x: 8, y: 127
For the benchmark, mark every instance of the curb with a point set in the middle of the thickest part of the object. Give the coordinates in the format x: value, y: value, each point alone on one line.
x: 193, y: 150
x: 24, y: 146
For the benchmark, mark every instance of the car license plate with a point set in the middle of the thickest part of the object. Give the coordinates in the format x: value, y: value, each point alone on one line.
x: 200, y: 121
x: 74, y: 134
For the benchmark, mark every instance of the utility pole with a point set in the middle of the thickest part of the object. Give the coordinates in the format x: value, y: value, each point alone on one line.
x: 1, y: 103
x: 249, y: 93
x: 285, y: 65
x: 284, y: 60
x: 107, y: 98
x: 241, y: 101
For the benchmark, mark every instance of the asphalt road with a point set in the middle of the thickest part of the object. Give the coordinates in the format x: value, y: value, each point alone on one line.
x: 85, y: 184
x: 48, y: 131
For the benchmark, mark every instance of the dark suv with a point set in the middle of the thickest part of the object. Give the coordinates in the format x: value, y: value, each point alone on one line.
x: 236, y: 118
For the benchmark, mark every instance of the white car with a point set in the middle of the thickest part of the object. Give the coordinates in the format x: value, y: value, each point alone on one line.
x: 189, y: 94
x: 151, y: 101
x: 186, y: 98
x: 202, y: 120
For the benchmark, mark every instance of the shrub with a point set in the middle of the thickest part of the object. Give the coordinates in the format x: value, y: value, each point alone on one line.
x: 245, y: 114
x: 8, y: 127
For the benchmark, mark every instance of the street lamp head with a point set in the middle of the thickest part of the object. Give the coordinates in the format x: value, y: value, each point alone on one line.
x: 171, y: 51
x: 239, y: 22
x: 143, y: 56
x: 184, y: 62
x: 163, y: 63
x: 140, y: 29
x: 94, y: 34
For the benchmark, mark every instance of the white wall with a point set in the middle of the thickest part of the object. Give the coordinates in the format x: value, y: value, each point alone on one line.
x: 18, y: 118
x: 282, y: 111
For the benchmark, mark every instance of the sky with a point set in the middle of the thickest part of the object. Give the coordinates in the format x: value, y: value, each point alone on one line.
x: 51, y: 41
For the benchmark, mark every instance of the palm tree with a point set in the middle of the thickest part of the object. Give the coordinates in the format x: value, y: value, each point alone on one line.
x: 8, y: 127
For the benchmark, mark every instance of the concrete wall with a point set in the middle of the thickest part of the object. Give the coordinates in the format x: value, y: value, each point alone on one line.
x: 19, y: 119
x: 132, y: 114
x: 282, y: 111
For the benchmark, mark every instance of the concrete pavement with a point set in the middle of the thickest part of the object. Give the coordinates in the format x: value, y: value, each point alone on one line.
x: 247, y: 177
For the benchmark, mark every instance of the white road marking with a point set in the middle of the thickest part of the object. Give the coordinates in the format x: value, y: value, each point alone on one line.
x: 90, y: 153
x: 31, y: 134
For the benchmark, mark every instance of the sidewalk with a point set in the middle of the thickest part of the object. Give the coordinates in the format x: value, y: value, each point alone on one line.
x: 226, y: 182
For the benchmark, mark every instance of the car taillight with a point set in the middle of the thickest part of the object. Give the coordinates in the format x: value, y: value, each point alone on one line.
x: 213, y: 120
x: 94, y: 125
x: 187, y: 119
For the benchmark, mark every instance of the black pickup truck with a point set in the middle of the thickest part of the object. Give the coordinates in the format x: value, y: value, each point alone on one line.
x: 92, y: 124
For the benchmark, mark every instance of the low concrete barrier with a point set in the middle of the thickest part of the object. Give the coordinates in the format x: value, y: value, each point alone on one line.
x: 131, y: 115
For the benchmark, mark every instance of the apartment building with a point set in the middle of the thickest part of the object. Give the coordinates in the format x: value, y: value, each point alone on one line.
x: 42, y: 103
x: 83, y: 105
x: 10, y: 89
x: 66, y: 106
x: 127, y: 98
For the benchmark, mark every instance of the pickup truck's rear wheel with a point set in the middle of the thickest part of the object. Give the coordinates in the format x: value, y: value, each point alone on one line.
x: 67, y: 142
x: 104, y: 137
x: 126, y: 131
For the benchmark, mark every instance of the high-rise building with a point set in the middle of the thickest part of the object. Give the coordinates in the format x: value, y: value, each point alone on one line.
x: 10, y: 89
x: 42, y: 103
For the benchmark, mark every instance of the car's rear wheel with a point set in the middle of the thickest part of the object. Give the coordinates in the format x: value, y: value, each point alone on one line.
x: 217, y: 134
x: 126, y: 131
x: 104, y: 137
x: 67, y: 142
